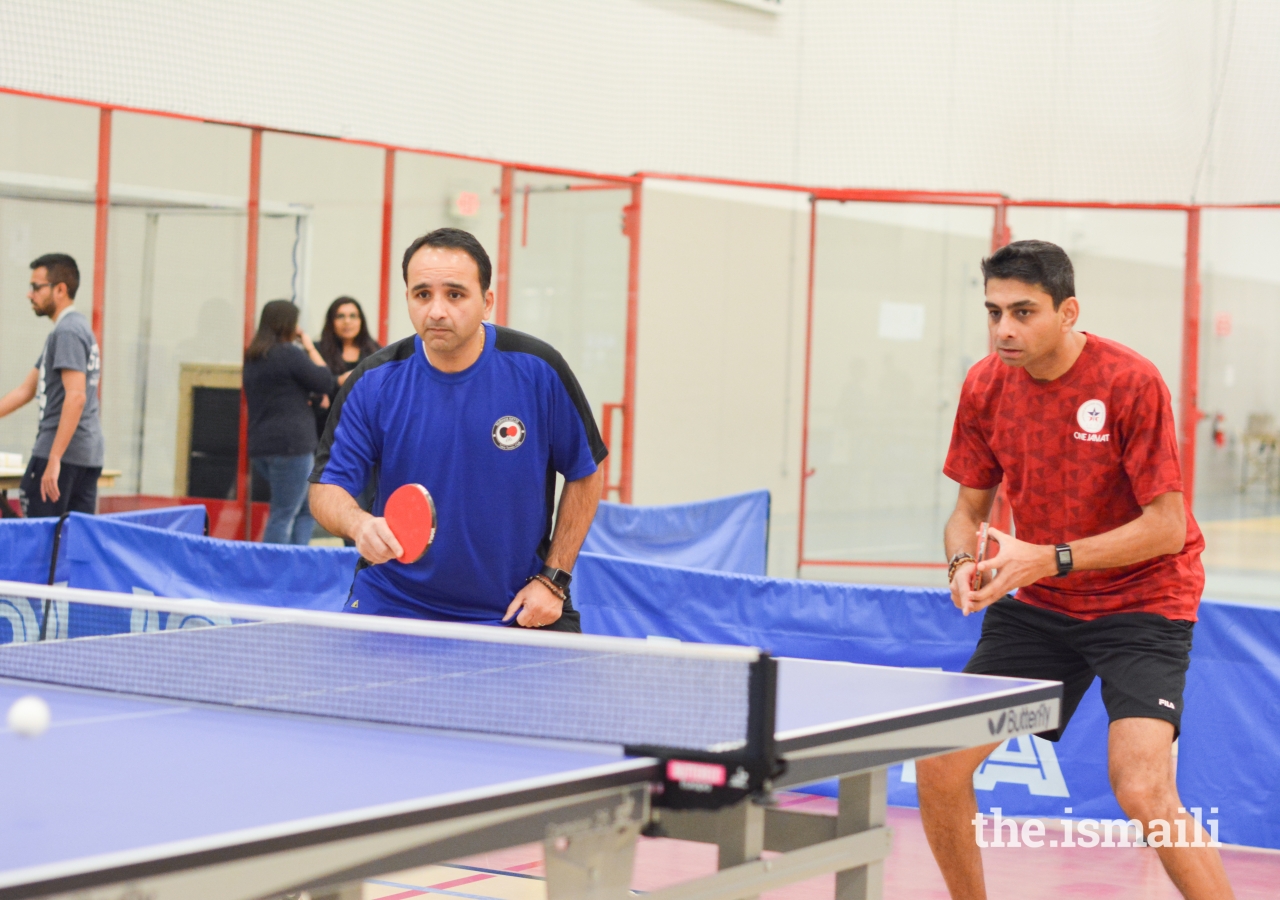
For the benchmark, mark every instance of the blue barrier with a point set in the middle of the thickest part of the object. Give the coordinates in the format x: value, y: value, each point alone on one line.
x: 192, y: 519
x: 118, y: 556
x: 892, y: 626
x: 729, y: 534
x: 26, y: 546
x: 106, y: 553
x: 1229, y: 751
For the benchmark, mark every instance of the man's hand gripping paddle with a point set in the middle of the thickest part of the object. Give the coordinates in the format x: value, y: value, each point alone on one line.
x: 411, y: 515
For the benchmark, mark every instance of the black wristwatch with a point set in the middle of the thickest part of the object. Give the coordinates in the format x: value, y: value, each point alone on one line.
x: 559, y: 577
x: 1062, y: 553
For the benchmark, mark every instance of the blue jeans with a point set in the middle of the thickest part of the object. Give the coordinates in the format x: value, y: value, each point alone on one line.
x: 290, y: 521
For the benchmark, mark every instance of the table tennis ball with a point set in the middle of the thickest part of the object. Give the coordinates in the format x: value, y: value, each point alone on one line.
x: 29, y: 716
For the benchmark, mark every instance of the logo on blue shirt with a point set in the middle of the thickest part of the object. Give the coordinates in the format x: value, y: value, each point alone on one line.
x: 508, y: 433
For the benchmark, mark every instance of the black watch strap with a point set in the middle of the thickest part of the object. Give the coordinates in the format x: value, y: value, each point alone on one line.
x: 1062, y: 555
x: 559, y: 577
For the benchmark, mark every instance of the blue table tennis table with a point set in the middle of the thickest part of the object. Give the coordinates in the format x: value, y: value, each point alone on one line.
x: 146, y: 786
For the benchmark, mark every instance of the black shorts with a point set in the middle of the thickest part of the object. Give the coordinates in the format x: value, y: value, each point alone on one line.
x: 77, y: 486
x: 1141, y: 658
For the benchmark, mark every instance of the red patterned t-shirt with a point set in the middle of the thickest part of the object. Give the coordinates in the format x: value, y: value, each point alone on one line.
x: 1080, y: 456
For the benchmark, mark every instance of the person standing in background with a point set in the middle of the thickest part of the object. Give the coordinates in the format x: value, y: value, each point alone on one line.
x: 67, y: 459
x: 344, y: 342
x: 279, y: 377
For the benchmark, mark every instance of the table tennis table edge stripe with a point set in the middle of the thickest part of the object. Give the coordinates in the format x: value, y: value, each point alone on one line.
x: 1028, y: 685
x: 110, y: 868
x: 803, y: 738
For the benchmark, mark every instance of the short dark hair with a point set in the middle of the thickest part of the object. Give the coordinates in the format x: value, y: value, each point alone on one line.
x: 453, y: 239
x: 62, y: 269
x: 1037, y: 263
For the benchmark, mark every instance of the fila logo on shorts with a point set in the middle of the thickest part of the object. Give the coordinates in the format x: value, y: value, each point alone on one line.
x: 508, y: 433
x: 1091, y: 417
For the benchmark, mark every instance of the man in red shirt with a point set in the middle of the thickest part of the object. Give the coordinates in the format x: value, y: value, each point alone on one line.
x: 1106, y: 562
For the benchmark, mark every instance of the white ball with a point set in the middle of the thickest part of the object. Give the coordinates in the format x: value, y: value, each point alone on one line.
x: 29, y: 716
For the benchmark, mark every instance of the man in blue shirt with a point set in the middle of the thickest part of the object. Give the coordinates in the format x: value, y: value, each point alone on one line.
x: 483, y: 417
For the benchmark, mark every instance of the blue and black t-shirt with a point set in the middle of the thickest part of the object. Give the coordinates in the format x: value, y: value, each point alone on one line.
x: 487, y: 443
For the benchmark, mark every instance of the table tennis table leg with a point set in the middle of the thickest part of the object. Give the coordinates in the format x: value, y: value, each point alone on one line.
x: 741, y: 836
x: 738, y: 831
x: 593, y: 859
x: 863, y: 805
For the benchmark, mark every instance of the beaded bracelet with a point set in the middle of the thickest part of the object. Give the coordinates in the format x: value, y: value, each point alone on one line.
x: 564, y: 597
x: 956, y: 562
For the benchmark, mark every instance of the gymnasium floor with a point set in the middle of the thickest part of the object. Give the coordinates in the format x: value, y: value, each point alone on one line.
x: 910, y: 874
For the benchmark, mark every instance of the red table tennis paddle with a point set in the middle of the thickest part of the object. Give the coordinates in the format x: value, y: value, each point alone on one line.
x: 978, y: 575
x: 411, y: 515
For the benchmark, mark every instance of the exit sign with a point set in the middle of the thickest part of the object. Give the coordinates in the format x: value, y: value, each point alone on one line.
x: 770, y: 6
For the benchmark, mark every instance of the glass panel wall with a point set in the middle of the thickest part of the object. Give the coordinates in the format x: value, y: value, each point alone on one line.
x: 1238, y: 447
x: 48, y: 167
x: 174, y: 302
x: 437, y: 192
x: 898, y: 321
x: 569, y: 259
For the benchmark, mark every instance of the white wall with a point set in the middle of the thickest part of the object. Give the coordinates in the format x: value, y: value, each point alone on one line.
x: 721, y: 350
x: 1137, y: 100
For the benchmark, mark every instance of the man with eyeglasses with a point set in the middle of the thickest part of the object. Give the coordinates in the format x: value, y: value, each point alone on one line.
x: 67, y: 459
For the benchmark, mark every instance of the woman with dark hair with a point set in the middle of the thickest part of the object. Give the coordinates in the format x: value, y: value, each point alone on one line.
x: 278, y: 379
x: 344, y: 342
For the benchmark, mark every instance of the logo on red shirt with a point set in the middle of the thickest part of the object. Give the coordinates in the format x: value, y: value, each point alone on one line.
x: 1092, y: 416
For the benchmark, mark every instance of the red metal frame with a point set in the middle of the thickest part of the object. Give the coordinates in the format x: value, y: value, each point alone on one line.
x: 631, y: 229
x: 504, y: 245
x: 1001, y: 513
x: 805, y: 472
x: 253, y: 207
x: 102, y: 216
x: 631, y: 218
x: 1189, y: 396
x: 388, y: 210
x: 608, y: 486
x: 1099, y: 204
x: 524, y: 218
x: 381, y: 145
x: 997, y: 201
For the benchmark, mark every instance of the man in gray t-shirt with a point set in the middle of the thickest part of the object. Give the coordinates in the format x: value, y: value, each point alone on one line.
x: 67, y: 459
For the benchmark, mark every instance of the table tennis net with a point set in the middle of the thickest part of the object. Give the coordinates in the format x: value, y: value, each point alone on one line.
x: 468, y: 678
